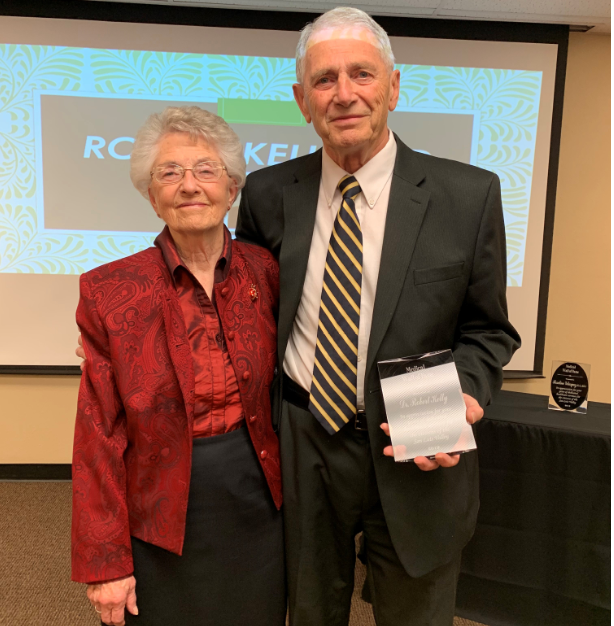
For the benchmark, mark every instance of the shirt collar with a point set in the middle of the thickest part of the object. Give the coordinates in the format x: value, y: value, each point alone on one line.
x: 372, y: 176
x: 165, y: 242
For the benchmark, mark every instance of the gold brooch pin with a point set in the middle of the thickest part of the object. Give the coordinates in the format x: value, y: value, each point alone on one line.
x: 253, y: 292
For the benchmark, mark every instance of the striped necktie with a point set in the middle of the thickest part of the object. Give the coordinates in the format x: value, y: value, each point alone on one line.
x: 332, y: 399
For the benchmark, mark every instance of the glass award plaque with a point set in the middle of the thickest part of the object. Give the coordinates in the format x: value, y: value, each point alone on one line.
x: 425, y: 406
x: 569, y: 386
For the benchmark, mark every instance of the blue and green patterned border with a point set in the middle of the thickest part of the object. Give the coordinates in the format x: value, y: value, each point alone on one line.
x: 505, y: 102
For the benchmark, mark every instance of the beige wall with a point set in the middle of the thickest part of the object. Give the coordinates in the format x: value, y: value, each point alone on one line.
x: 578, y: 327
x: 37, y: 416
x: 37, y: 413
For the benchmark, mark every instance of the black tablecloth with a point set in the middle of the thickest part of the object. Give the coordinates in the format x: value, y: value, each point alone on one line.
x: 541, y: 551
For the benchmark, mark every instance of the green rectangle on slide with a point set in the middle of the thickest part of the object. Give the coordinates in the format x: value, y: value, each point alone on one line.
x: 275, y: 112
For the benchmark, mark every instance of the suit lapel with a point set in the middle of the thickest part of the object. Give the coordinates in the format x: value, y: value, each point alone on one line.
x: 406, y: 209
x: 300, y: 202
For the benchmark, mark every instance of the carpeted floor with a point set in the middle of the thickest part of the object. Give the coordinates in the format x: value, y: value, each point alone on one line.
x: 35, y: 587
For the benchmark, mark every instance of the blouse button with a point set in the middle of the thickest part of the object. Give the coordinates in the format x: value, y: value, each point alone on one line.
x: 253, y: 418
x: 231, y: 335
x: 246, y: 375
x: 264, y: 454
x: 225, y: 291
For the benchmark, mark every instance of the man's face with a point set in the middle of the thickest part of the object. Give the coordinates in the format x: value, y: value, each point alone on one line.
x: 347, y: 90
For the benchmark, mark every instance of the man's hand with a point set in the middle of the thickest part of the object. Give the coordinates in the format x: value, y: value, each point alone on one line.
x: 110, y: 599
x: 474, y: 411
x: 474, y: 414
x: 80, y: 352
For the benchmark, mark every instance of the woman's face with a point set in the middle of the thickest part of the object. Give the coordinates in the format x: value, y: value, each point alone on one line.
x: 190, y: 206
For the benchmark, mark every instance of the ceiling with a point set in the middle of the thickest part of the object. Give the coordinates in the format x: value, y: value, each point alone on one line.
x: 576, y: 13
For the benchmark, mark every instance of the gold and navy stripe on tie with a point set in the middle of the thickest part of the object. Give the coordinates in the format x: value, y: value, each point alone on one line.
x: 332, y: 399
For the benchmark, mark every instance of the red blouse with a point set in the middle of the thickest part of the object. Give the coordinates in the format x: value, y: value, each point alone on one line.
x: 217, y: 402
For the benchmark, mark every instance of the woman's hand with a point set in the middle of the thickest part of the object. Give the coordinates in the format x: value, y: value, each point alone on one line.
x: 110, y: 599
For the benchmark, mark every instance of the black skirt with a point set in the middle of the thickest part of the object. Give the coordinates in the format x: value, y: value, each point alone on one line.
x: 231, y: 572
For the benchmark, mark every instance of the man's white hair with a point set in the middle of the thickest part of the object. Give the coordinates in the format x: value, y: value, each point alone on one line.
x: 343, y: 17
x: 199, y: 124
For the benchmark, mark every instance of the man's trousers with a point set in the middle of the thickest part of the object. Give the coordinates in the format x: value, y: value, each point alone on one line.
x: 330, y: 495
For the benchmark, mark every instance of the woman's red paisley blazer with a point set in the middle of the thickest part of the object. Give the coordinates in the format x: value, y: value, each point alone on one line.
x: 133, y: 434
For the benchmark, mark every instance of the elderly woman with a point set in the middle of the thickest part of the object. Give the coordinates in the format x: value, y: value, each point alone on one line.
x: 176, y: 478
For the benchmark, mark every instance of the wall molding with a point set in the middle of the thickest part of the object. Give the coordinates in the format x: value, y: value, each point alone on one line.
x: 35, y: 471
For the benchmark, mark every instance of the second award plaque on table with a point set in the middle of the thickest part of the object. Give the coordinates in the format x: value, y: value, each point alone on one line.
x: 569, y: 386
x: 425, y: 406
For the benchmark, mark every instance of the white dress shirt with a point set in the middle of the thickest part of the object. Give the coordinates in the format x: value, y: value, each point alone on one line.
x: 371, y: 204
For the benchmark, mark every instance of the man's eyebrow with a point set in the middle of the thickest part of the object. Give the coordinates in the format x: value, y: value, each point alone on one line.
x: 360, y: 65
x: 363, y: 65
x: 322, y: 72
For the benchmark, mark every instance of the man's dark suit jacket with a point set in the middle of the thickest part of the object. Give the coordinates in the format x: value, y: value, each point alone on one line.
x: 441, y: 284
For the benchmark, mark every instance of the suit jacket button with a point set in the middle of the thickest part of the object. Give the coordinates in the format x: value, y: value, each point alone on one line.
x: 224, y: 291
x: 264, y: 454
x: 252, y: 418
x: 246, y: 375
x: 231, y: 335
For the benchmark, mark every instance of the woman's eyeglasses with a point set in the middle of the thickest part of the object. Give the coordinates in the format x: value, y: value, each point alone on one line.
x: 205, y: 172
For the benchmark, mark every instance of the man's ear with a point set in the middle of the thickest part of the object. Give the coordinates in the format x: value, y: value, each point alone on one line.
x: 299, y: 96
x: 395, y: 87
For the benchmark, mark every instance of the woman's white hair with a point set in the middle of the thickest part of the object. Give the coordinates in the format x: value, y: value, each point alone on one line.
x: 339, y: 18
x: 199, y: 124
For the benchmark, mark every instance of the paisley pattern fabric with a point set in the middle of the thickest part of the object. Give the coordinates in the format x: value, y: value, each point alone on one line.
x: 133, y: 433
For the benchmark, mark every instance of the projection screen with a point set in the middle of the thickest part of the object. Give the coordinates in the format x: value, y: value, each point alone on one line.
x: 74, y: 93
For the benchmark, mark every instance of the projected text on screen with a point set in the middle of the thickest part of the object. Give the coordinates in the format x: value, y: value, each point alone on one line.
x: 68, y: 117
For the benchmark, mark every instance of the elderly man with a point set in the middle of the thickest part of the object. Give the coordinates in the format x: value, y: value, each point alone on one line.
x: 383, y: 253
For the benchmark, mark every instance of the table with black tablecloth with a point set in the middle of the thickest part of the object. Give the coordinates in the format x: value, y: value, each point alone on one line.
x: 541, y: 551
